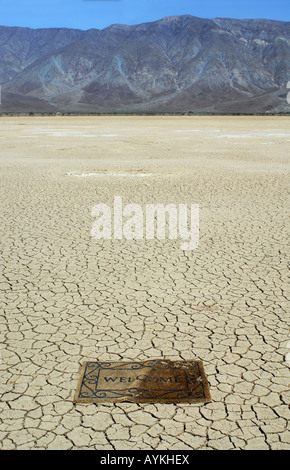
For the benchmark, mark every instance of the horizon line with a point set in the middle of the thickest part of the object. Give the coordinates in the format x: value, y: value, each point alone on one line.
x: 146, y: 22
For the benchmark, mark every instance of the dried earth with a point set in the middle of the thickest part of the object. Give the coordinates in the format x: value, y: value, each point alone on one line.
x: 67, y: 297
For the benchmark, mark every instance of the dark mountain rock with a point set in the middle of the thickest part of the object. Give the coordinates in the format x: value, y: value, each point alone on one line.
x: 177, y: 64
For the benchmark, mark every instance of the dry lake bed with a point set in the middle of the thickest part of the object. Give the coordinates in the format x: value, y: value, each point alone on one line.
x: 67, y: 298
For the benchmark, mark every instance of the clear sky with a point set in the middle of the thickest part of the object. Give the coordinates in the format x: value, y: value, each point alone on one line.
x: 86, y: 14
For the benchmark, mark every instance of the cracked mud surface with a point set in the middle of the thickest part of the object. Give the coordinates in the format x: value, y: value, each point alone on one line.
x: 66, y: 297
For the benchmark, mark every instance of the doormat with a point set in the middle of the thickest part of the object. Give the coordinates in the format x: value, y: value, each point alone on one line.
x: 153, y: 381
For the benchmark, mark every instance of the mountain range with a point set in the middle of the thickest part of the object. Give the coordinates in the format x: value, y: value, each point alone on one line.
x: 177, y: 64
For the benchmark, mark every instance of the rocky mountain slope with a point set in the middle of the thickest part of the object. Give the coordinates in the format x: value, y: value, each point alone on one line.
x: 176, y: 64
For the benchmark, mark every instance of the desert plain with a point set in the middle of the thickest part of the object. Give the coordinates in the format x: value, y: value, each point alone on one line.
x: 67, y: 297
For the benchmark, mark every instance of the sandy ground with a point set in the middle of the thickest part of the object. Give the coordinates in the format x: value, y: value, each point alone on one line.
x: 67, y: 298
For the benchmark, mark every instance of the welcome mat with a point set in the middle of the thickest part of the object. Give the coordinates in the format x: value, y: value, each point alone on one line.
x: 154, y: 381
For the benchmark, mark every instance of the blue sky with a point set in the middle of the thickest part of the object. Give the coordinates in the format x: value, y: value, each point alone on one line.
x: 86, y: 14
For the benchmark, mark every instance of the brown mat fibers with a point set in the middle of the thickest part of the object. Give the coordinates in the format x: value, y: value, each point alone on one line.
x: 153, y: 381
